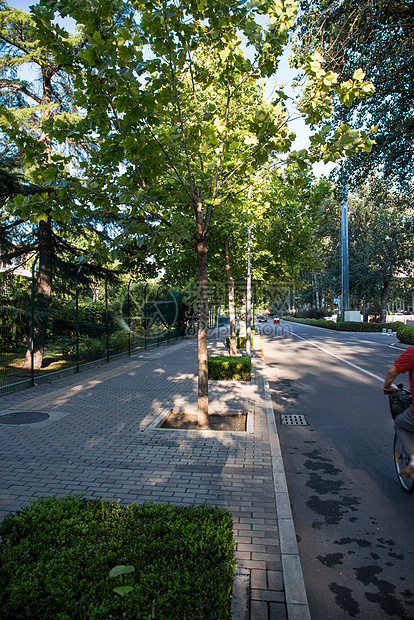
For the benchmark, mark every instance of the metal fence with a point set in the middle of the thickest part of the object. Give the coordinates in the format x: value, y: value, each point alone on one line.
x: 80, y: 317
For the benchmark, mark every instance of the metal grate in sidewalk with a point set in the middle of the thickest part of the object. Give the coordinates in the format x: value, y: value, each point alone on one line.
x: 291, y: 419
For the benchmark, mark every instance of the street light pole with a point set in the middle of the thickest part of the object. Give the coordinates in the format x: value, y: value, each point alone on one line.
x: 345, y: 256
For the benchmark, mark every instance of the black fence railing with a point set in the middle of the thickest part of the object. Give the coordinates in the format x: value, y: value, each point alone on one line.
x: 66, y: 316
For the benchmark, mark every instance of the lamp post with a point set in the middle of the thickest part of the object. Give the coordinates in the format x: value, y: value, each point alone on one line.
x: 345, y: 257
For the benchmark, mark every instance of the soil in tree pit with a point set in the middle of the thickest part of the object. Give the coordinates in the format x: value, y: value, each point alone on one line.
x: 216, y: 422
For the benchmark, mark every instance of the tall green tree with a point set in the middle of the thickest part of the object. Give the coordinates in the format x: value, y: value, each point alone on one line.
x: 381, y: 225
x: 163, y: 84
x: 27, y: 107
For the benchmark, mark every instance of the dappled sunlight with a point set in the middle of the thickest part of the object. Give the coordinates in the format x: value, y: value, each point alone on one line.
x: 94, y: 441
x: 181, y: 376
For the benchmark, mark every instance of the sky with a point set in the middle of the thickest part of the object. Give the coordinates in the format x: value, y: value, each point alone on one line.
x: 284, y: 75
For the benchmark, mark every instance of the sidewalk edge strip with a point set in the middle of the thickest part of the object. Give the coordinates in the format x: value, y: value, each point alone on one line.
x: 295, y: 592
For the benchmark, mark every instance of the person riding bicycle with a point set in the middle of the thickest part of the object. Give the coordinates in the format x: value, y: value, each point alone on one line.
x: 404, y: 422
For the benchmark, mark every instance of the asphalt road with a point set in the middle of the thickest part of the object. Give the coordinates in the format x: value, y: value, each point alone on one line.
x: 354, y: 523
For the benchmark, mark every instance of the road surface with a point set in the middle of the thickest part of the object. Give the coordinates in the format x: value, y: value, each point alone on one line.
x: 354, y: 524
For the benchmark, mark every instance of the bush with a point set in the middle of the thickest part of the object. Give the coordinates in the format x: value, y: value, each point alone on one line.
x: 119, y: 341
x: 56, y: 557
x: 92, y: 348
x: 224, y: 367
x: 314, y: 313
x: 405, y: 334
x: 347, y: 326
x: 240, y: 341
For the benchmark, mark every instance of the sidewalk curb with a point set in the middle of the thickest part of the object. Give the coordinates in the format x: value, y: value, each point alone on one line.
x: 295, y: 592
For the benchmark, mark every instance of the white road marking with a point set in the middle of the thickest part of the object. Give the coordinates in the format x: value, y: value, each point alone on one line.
x: 341, y: 359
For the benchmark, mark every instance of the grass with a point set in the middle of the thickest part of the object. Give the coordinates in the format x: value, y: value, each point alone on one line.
x: 61, y: 355
x: 72, y: 559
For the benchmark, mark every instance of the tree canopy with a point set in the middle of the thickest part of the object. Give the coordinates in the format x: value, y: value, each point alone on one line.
x: 377, y: 36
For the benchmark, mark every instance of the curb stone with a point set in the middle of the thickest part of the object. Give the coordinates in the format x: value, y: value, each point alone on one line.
x: 295, y: 592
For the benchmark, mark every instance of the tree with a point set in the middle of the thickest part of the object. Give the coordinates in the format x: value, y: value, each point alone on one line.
x: 164, y: 85
x: 376, y: 35
x: 27, y: 108
x: 381, y: 227
x: 380, y: 245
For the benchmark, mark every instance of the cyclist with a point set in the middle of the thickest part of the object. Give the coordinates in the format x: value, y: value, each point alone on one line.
x: 404, y: 422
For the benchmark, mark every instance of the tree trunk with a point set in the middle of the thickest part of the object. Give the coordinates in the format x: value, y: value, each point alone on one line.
x: 243, y: 317
x: 232, y: 311
x: 43, y: 295
x: 383, y: 302
x: 201, y: 241
x: 365, y: 310
x: 43, y: 288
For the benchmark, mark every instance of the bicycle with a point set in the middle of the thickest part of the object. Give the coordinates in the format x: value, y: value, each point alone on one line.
x: 399, y: 401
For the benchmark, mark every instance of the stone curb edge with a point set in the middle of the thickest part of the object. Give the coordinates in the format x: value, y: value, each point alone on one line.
x: 295, y: 592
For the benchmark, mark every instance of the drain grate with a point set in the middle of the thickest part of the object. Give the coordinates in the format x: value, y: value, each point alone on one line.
x: 290, y: 419
x: 23, y: 417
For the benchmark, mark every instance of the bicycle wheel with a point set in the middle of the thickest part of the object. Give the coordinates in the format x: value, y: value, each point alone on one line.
x: 401, y: 460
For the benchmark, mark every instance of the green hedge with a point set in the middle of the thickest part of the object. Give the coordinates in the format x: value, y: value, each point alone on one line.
x: 224, y: 367
x: 347, y: 326
x: 240, y: 341
x: 405, y: 334
x: 166, y: 562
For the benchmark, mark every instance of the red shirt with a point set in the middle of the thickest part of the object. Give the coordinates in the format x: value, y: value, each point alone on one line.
x: 406, y: 362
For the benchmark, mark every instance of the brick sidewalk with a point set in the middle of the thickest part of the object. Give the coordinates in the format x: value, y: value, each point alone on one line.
x: 97, y: 441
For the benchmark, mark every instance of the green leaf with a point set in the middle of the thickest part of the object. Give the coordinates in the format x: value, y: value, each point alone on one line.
x: 122, y: 590
x: 359, y: 75
x: 121, y: 570
x: 19, y: 200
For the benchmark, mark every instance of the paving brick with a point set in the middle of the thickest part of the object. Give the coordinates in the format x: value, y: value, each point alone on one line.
x: 258, y: 579
x: 275, y: 580
x: 263, y: 556
x: 277, y: 611
x: 267, y: 595
x: 259, y: 610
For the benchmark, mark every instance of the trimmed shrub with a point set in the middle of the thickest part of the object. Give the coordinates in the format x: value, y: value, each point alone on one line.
x: 405, y: 334
x: 347, y: 326
x: 314, y: 313
x: 224, y: 367
x: 240, y: 341
x: 72, y: 558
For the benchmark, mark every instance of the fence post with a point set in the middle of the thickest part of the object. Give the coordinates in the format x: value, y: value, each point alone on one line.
x: 158, y: 331
x: 32, y: 323
x: 77, y: 317
x: 107, y: 319
x: 145, y: 315
x: 81, y: 260
x: 129, y: 320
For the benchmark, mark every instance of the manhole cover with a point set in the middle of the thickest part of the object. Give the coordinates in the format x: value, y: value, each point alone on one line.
x: 293, y: 420
x: 23, y: 417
